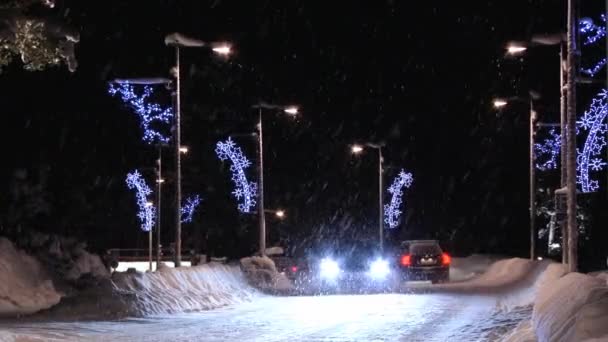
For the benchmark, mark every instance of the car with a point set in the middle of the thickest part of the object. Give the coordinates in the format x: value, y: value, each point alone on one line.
x: 423, y: 260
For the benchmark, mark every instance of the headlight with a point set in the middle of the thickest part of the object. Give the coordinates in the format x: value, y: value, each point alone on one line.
x: 329, y: 269
x: 379, y: 269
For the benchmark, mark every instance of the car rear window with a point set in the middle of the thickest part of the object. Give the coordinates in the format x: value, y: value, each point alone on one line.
x: 427, y: 248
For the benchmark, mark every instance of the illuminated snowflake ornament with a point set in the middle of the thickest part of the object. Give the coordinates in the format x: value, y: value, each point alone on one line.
x: 245, y: 192
x: 189, y: 208
x: 150, y: 114
x: 146, y: 212
x: 588, y: 159
x: 392, y: 211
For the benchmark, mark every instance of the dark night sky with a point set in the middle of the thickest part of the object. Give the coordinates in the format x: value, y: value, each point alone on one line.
x: 418, y: 75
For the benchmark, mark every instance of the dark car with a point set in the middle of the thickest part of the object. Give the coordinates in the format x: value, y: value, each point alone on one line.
x: 424, y: 260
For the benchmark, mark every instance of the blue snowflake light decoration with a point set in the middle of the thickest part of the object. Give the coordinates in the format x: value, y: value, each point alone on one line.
x: 591, y: 34
x: 392, y: 211
x: 189, y: 207
x: 589, y: 159
x: 244, y: 191
x: 551, y: 147
x: 146, y: 212
x: 150, y: 114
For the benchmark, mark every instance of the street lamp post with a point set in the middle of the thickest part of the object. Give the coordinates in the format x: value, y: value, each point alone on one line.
x: 290, y: 110
x: 570, y: 135
x: 358, y: 149
x: 178, y: 40
x: 499, y: 103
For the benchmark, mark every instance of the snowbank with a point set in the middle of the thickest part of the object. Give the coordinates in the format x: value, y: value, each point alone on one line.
x: 196, y: 288
x: 24, y: 287
x: 572, y: 308
x: 262, y: 273
x: 472, y: 266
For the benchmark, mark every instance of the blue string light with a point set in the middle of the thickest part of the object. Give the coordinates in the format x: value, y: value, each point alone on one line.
x: 244, y: 191
x: 189, y: 207
x: 146, y: 209
x: 392, y: 211
x: 593, y: 122
x: 550, y: 146
x: 149, y: 113
x: 591, y: 34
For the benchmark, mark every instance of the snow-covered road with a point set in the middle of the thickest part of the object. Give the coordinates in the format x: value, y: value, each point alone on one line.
x: 378, y: 317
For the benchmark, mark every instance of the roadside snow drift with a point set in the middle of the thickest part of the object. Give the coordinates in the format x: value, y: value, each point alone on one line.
x: 24, y: 286
x: 572, y: 308
x: 262, y: 273
x: 187, y: 289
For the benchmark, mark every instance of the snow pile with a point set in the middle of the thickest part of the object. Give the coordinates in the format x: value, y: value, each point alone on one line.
x: 24, y: 286
x: 502, y: 276
x: 185, y: 289
x: 469, y: 267
x: 262, y: 273
x: 572, y: 308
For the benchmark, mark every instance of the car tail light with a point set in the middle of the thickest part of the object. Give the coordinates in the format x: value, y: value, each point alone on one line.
x: 294, y: 269
x: 445, y: 259
x: 406, y: 260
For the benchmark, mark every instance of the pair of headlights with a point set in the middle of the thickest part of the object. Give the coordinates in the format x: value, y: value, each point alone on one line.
x: 330, y: 269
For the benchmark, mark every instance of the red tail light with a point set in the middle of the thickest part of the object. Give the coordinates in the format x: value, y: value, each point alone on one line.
x: 445, y: 259
x: 294, y: 269
x: 406, y: 260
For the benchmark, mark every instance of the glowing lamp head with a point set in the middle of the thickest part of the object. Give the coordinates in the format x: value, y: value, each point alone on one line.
x: 222, y: 50
x: 291, y: 110
x: 183, y: 150
x: 379, y: 269
x: 280, y: 213
x: 499, y: 103
x: 356, y: 149
x: 329, y: 269
x: 515, y: 49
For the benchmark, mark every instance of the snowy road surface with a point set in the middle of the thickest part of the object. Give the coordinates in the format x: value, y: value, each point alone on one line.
x: 379, y: 317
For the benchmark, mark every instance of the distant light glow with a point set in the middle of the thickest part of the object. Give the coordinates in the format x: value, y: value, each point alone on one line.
x: 357, y: 149
x: 150, y: 114
x: 146, y: 212
x: 392, y: 211
x: 244, y: 191
x: 183, y: 149
x: 280, y: 213
x: 223, y: 49
x: 499, y: 103
x: 292, y: 110
x: 189, y: 207
x: 515, y: 49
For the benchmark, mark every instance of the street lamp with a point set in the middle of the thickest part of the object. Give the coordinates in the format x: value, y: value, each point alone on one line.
x: 501, y: 103
x: 178, y: 40
x: 552, y: 40
x: 356, y: 149
x: 183, y: 150
x: 280, y: 214
x: 289, y: 110
x: 515, y: 48
x: 159, y: 180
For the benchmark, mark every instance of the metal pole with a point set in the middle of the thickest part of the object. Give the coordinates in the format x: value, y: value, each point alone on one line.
x: 158, y: 199
x: 261, y: 214
x: 532, y: 184
x: 571, y: 136
x: 178, y: 167
x: 563, y: 145
x: 380, y: 202
x: 150, y: 248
